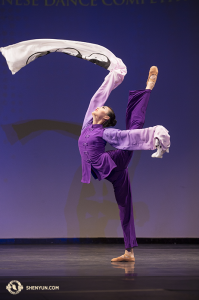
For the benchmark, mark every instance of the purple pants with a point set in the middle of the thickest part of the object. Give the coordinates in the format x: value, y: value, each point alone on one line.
x: 119, y: 177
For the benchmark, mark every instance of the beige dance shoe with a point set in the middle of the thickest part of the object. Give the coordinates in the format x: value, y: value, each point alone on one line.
x: 152, y: 78
x: 124, y: 257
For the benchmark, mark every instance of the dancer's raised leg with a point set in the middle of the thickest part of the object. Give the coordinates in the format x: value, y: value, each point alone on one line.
x: 135, y: 117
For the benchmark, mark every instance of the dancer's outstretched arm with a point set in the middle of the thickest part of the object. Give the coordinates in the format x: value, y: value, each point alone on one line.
x: 137, y: 139
x: 111, y: 81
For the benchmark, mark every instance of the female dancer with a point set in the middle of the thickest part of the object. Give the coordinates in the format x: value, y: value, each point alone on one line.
x: 113, y: 165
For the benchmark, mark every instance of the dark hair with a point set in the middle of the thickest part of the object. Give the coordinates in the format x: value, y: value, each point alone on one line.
x: 112, y: 121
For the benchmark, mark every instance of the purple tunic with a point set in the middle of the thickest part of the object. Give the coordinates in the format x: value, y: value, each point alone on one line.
x: 92, y: 150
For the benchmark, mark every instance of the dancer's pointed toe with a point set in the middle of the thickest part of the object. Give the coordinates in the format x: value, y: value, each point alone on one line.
x: 152, y: 78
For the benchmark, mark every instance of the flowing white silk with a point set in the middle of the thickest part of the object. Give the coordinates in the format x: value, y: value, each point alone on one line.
x: 21, y: 54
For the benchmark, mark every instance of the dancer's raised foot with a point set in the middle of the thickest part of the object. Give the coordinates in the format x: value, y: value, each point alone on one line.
x: 153, y: 73
x: 125, y: 257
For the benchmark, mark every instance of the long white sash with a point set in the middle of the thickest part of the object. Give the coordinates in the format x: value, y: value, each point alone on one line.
x: 21, y: 54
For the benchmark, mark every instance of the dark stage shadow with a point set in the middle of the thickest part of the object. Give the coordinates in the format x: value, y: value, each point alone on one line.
x: 27, y: 130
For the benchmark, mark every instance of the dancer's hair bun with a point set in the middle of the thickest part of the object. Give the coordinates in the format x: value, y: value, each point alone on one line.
x: 112, y: 121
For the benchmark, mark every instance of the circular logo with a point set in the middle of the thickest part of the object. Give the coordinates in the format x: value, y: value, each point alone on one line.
x: 14, y: 287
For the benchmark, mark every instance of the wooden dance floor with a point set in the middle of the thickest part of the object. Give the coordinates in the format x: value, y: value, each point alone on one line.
x: 85, y: 272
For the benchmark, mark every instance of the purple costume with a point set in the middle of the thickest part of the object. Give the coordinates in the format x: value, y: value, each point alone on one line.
x: 113, y: 165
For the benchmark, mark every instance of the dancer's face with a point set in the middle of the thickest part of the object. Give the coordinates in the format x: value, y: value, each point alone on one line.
x: 101, y: 114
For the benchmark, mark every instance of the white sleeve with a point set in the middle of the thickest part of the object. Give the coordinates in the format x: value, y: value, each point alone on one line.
x: 137, y: 139
x: 111, y: 81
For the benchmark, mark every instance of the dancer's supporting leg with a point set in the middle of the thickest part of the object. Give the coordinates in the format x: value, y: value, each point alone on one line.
x: 135, y: 117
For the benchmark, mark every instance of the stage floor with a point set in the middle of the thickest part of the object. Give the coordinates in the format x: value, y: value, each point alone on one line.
x: 86, y: 271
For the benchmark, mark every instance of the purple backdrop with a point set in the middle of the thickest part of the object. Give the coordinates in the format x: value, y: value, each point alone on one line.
x: 42, y: 108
